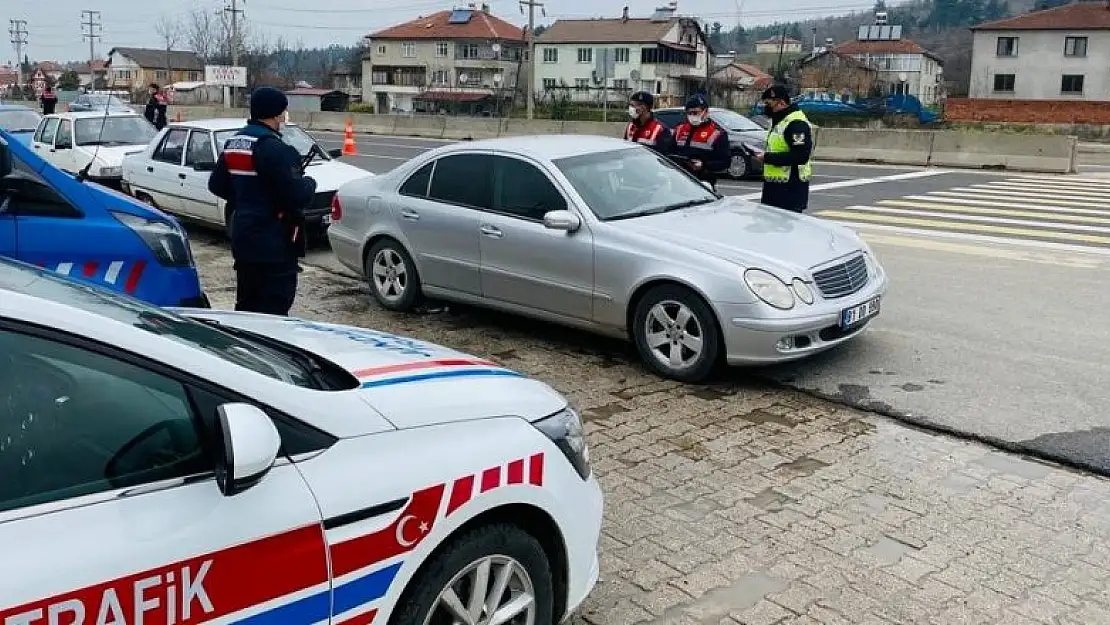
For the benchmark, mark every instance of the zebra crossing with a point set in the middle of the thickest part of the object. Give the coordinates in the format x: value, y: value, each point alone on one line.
x: 1071, y: 213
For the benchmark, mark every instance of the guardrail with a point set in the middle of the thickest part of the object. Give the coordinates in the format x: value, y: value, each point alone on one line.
x: 941, y: 148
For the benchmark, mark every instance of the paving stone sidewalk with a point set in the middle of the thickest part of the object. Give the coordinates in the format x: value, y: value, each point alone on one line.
x: 738, y: 504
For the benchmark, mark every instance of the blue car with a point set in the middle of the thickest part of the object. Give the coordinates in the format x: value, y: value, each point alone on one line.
x: 91, y: 233
x: 20, y: 121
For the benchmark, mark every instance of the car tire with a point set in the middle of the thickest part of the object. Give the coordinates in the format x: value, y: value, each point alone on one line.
x: 452, y: 569
x: 739, y: 167
x: 671, y: 317
x: 396, y: 285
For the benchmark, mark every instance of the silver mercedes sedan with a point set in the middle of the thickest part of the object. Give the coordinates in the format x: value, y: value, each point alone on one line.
x: 607, y: 236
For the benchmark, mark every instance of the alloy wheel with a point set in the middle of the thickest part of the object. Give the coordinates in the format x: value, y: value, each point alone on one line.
x: 738, y: 167
x: 493, y: 590
x: 674, y: 334
x: 390, y: 275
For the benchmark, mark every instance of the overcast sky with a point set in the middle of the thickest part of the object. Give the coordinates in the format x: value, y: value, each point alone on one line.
x: 54, y: 26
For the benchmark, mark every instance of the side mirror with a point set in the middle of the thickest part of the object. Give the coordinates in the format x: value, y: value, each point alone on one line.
x: 204, y: 166
x: 562, y: 220
x: 706, y: 184
x: 248, y: 446
x: 335, y: 152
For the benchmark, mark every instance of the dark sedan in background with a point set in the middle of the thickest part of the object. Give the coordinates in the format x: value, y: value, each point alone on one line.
x: 744, y: 136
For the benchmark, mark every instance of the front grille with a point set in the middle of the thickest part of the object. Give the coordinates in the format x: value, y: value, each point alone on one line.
x: 843, y: 279
x: 321, y: 202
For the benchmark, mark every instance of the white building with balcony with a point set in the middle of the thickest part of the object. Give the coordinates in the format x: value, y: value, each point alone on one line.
x: 903, y: 66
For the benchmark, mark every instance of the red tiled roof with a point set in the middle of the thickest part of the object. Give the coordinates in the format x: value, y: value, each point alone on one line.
x: 482, y: 25
x: 1076, y: 16
x: 900, y: 46
x: 452, y: 96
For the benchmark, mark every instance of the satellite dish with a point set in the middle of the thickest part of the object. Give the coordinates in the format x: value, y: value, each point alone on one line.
x: 462, y: 77
x: 496, y: 47
x: 902, y: 77
x: 497, y: 79
x: 634, y: 74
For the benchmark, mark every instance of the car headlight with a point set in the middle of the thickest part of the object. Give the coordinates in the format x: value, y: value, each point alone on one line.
x: 564, y: 428
x: 108, y: 172
x: 802, y: 290
x: 166, y: 240
x: 769, y: 288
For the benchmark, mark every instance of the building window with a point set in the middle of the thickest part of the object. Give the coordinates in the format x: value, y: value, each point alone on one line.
x: 381, y: 49
x: 550, y: 55
x: 408, y: 50
x: 1075, y: 46
x: 1004, y: 83
x: 441, y: 49
x: 468, y: 51
x: 620, y: 84
x: 439, y: 77
x: 1007, y: 46
x: 548, y: 84
x: 620, y: 55
x: 585, y: 55
x: 1071, y: 83
x: 582, y: 84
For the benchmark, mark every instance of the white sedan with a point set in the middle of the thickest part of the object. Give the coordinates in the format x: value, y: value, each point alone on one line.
x: 172, y: 172
x: 97, y: 140
x: 212, y: 466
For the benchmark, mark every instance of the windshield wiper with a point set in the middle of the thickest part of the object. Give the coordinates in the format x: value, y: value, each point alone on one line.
x: 662, y: 209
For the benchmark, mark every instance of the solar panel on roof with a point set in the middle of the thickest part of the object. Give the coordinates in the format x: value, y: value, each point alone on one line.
x: 460, y: 16
x: 896, y: 32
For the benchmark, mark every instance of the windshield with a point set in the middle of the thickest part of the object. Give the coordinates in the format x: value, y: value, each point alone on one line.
x: 631, y: 181
x: 734, y: 121
x: 117, y: 130
x: 291, y: 135
x: 101, y: 100
x: 19, y: 121
x: 245, y: 353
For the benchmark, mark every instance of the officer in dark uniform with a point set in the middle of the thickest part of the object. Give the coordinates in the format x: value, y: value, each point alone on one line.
x: 263, y: 178
x: 644, y: 128
x: 701, y: 146
x: 786, y: 163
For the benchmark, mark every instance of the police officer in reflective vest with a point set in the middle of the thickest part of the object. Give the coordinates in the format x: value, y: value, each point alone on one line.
x: 701, y: 146
x: 786, y: 166
x: 262, y: 178
x: 643, y: 127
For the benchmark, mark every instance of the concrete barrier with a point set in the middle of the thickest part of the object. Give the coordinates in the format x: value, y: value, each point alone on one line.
x: 896, y: 147
x: 941, y: 148
x: 980, y: 150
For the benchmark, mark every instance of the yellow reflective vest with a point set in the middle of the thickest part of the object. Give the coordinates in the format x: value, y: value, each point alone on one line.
x: 777, y: 144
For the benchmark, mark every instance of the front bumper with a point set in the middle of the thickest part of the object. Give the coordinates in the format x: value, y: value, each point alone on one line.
x: 583, y: 563
x: 754, y: 335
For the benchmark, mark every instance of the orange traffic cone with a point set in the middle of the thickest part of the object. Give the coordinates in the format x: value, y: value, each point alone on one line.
x: 349, y: 148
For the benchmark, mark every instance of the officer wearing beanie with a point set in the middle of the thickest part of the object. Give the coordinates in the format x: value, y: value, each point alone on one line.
x: 786, y: 167
x: 643, y: 127
x: 262, y: 180
x: 701, y: 146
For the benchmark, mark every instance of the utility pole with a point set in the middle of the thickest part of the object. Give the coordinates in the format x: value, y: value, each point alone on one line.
x: 18, y: 31
x: 531, y: 95
x: 90, y: 29
x: 234, y: 44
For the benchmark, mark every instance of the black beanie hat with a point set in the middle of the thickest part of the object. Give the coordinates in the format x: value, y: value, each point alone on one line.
x: 267, y: 102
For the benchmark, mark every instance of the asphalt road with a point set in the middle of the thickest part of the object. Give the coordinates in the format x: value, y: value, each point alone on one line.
x: 995, y: 323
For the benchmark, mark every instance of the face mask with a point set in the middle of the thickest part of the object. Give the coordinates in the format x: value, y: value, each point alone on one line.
x: 632, y: 112
x: 694, y: 120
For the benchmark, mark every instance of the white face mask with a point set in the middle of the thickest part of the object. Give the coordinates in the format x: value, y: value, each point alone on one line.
x: 694, y: 119
x: 632, y: 112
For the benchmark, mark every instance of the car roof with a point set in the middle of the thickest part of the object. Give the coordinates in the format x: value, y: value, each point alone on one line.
x: 84, y: 114
x: 15, y: 107
x: 215, y: 123
x: 543, y: 147
x: 712, y: 109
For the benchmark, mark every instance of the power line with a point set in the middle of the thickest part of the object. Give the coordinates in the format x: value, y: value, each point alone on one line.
x: 90, y: 30
x: 18, y: 31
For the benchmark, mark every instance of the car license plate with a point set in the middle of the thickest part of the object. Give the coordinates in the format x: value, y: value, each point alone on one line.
x: 326, y: 220
x: 856, y: 314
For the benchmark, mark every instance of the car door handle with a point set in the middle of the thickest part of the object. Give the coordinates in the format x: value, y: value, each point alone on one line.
x: 150, y: 169
x: 491, y: 231
x: 410, y: 215
x: 182, y: 176
x: 36, y: 146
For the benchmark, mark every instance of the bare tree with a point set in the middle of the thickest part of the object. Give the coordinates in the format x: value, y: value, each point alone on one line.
x: 203, y: 33
x: 169, y: 31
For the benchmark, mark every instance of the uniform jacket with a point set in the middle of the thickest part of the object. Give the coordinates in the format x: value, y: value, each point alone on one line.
x: 155, y: 111
x: 707, y: 143
x: 261, y: 178
x: 793, y: 194
x: 49, y: 101
x: 651, y: 133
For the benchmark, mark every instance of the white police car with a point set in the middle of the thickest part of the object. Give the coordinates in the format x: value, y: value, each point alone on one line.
x: 226, y: 467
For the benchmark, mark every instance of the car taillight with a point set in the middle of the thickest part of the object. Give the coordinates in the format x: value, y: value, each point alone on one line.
x: 336, y: 208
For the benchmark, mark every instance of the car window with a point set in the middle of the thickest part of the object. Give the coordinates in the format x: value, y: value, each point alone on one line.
x: 200, y: 148
x: 173, y: 146
x: 49, y: 130
x: 74, y: 422
x: 524, y: 191
x: 221, y: 139
x: 41, y: 129
x: 16, y: 120
x: 465, y: 179
x: 65, y: 134
x: 733, y: 121
x: 631, y: 181
x: 417, y: 184
x: 670, y: 119
x: 30, y: 195
x: 114, y: 130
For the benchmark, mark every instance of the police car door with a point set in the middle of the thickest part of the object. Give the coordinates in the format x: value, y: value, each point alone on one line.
x: 109, y: 512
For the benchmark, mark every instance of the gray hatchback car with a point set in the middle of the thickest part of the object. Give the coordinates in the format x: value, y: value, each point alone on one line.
x: 607, y: 236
